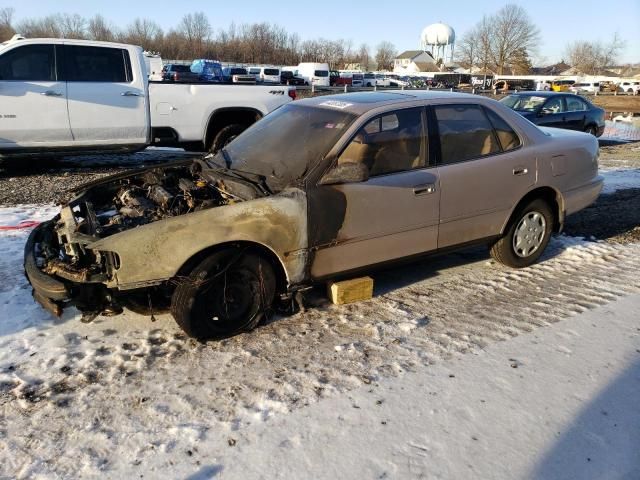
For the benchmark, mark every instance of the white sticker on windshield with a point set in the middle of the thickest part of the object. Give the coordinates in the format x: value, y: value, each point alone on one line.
x: 336, y: 104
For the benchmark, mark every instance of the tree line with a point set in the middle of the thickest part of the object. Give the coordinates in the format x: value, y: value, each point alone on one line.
x: 194, y: 37
x: 502, y: 43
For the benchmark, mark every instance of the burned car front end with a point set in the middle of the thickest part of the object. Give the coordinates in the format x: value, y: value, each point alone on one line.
x: 69, y: 259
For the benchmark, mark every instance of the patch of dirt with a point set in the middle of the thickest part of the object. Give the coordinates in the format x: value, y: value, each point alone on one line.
x: 613, y: 217
x: 620, y: 155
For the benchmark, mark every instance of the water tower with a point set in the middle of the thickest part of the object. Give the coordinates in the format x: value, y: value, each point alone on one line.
x: 439, y: 39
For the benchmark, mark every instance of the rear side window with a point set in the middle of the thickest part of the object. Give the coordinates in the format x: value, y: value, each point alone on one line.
x: 506, y: 135
x: 465, y: 133
x: 574, y: 104
x: 97, y: 64
x: 29, y: 63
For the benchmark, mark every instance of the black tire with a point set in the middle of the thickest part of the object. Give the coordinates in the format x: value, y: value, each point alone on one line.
x: 226, y: 135
x: 504, y: 249
x: 591, y: 129
x: 227, y: 293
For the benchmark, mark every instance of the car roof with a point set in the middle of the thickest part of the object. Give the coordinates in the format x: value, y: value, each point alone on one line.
x: 543, y: 94
x: 361, y: 102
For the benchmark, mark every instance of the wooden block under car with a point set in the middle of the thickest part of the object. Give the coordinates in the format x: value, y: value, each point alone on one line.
x: 349, y: 291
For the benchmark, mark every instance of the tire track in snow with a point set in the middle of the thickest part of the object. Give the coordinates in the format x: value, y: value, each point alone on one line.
x: 153, y: 379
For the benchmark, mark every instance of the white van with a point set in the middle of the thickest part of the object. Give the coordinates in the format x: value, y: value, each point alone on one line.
x: 582, y: 87
x: 270, y: 75
x: 153, y: 64
x: 314, y: 73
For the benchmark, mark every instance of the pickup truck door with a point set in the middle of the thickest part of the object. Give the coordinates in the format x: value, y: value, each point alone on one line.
x: 33, y: 101
x: 106, y: 95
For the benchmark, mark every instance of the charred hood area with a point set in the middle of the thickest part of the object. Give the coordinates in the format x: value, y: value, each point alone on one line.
x: 115, y: 204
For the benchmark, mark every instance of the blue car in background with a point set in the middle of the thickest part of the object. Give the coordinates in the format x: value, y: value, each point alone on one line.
x: 207, y: 70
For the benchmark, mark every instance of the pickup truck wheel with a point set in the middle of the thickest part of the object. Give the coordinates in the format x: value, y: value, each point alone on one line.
x: 526, y: 237
x: 227, y: 293
x: 225, y: 135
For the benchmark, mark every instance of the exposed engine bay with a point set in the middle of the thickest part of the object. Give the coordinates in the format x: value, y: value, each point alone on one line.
x: 153, y: 195
x: 121, y: 202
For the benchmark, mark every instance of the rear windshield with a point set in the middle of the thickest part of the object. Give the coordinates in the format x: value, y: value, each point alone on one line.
x: 180, y: 68
x: 287, y: 74
x: 357, y: 76
x: 286, y: 144
x: 271, y: 71
x: 321, y: 73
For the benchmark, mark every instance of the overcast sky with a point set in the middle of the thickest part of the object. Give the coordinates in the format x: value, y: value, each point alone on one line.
x: 369, y: 21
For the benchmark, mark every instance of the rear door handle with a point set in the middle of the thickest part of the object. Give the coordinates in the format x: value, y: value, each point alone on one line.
x: 424, y: 189
x: 51, y: 93
x: 520, y: 171
x: 129, y: 93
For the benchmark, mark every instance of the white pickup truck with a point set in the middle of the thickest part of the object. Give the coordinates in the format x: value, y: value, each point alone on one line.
x: 71, y: 96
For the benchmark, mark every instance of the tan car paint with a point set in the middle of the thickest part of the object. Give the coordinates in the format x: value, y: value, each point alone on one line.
x: 156, y: 252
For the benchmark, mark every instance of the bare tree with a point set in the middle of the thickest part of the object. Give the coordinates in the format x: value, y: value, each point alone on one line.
x: 468, y: 49
x: 48, y: 26
x: 99, y: 29
x: 592, y: 57
x: 71, y: 25
x: 385, y: 53
x: 143, y: 32
x: 6, y: 22
x: 512, y: 32
x: 196, y: 29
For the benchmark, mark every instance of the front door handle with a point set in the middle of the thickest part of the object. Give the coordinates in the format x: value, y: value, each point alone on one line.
x: 129, y: 93
x: 51, y: 93
x: 425, y: 189
x: 520, y: 171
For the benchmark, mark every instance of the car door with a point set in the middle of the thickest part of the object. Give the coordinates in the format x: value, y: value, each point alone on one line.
x: 107, y: 101
x: 391, y: 215
x: 552, y: 113
x: 483, y: 168
x: 33, y: 100
x: 576, y: 113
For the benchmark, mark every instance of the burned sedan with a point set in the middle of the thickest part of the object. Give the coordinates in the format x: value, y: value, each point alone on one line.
x: 319, y: 188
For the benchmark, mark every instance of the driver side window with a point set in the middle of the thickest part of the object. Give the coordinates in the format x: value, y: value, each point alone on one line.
x: 392, y: 142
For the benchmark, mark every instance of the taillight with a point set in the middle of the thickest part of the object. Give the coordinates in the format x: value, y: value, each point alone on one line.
x: 176, y: 76
x: 292, y: 93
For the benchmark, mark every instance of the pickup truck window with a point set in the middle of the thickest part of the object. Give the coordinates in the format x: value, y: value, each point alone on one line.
x: 97, y: 64
x: 30, y: 63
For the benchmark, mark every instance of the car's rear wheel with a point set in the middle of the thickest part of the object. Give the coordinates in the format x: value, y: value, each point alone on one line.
x: 591, y: 129
x: 226, y: 135
x: 526, y: 237
x: 227, y: 293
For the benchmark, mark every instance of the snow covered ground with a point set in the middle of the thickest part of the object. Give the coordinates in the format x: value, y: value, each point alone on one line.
x: 356, y: 391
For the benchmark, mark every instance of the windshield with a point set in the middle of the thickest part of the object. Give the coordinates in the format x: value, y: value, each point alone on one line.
x: 525, y: 103
x: 238, y: 71
x: 285, y: 144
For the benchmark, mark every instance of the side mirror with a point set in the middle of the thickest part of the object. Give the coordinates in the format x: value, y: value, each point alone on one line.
x: 348, y: 172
